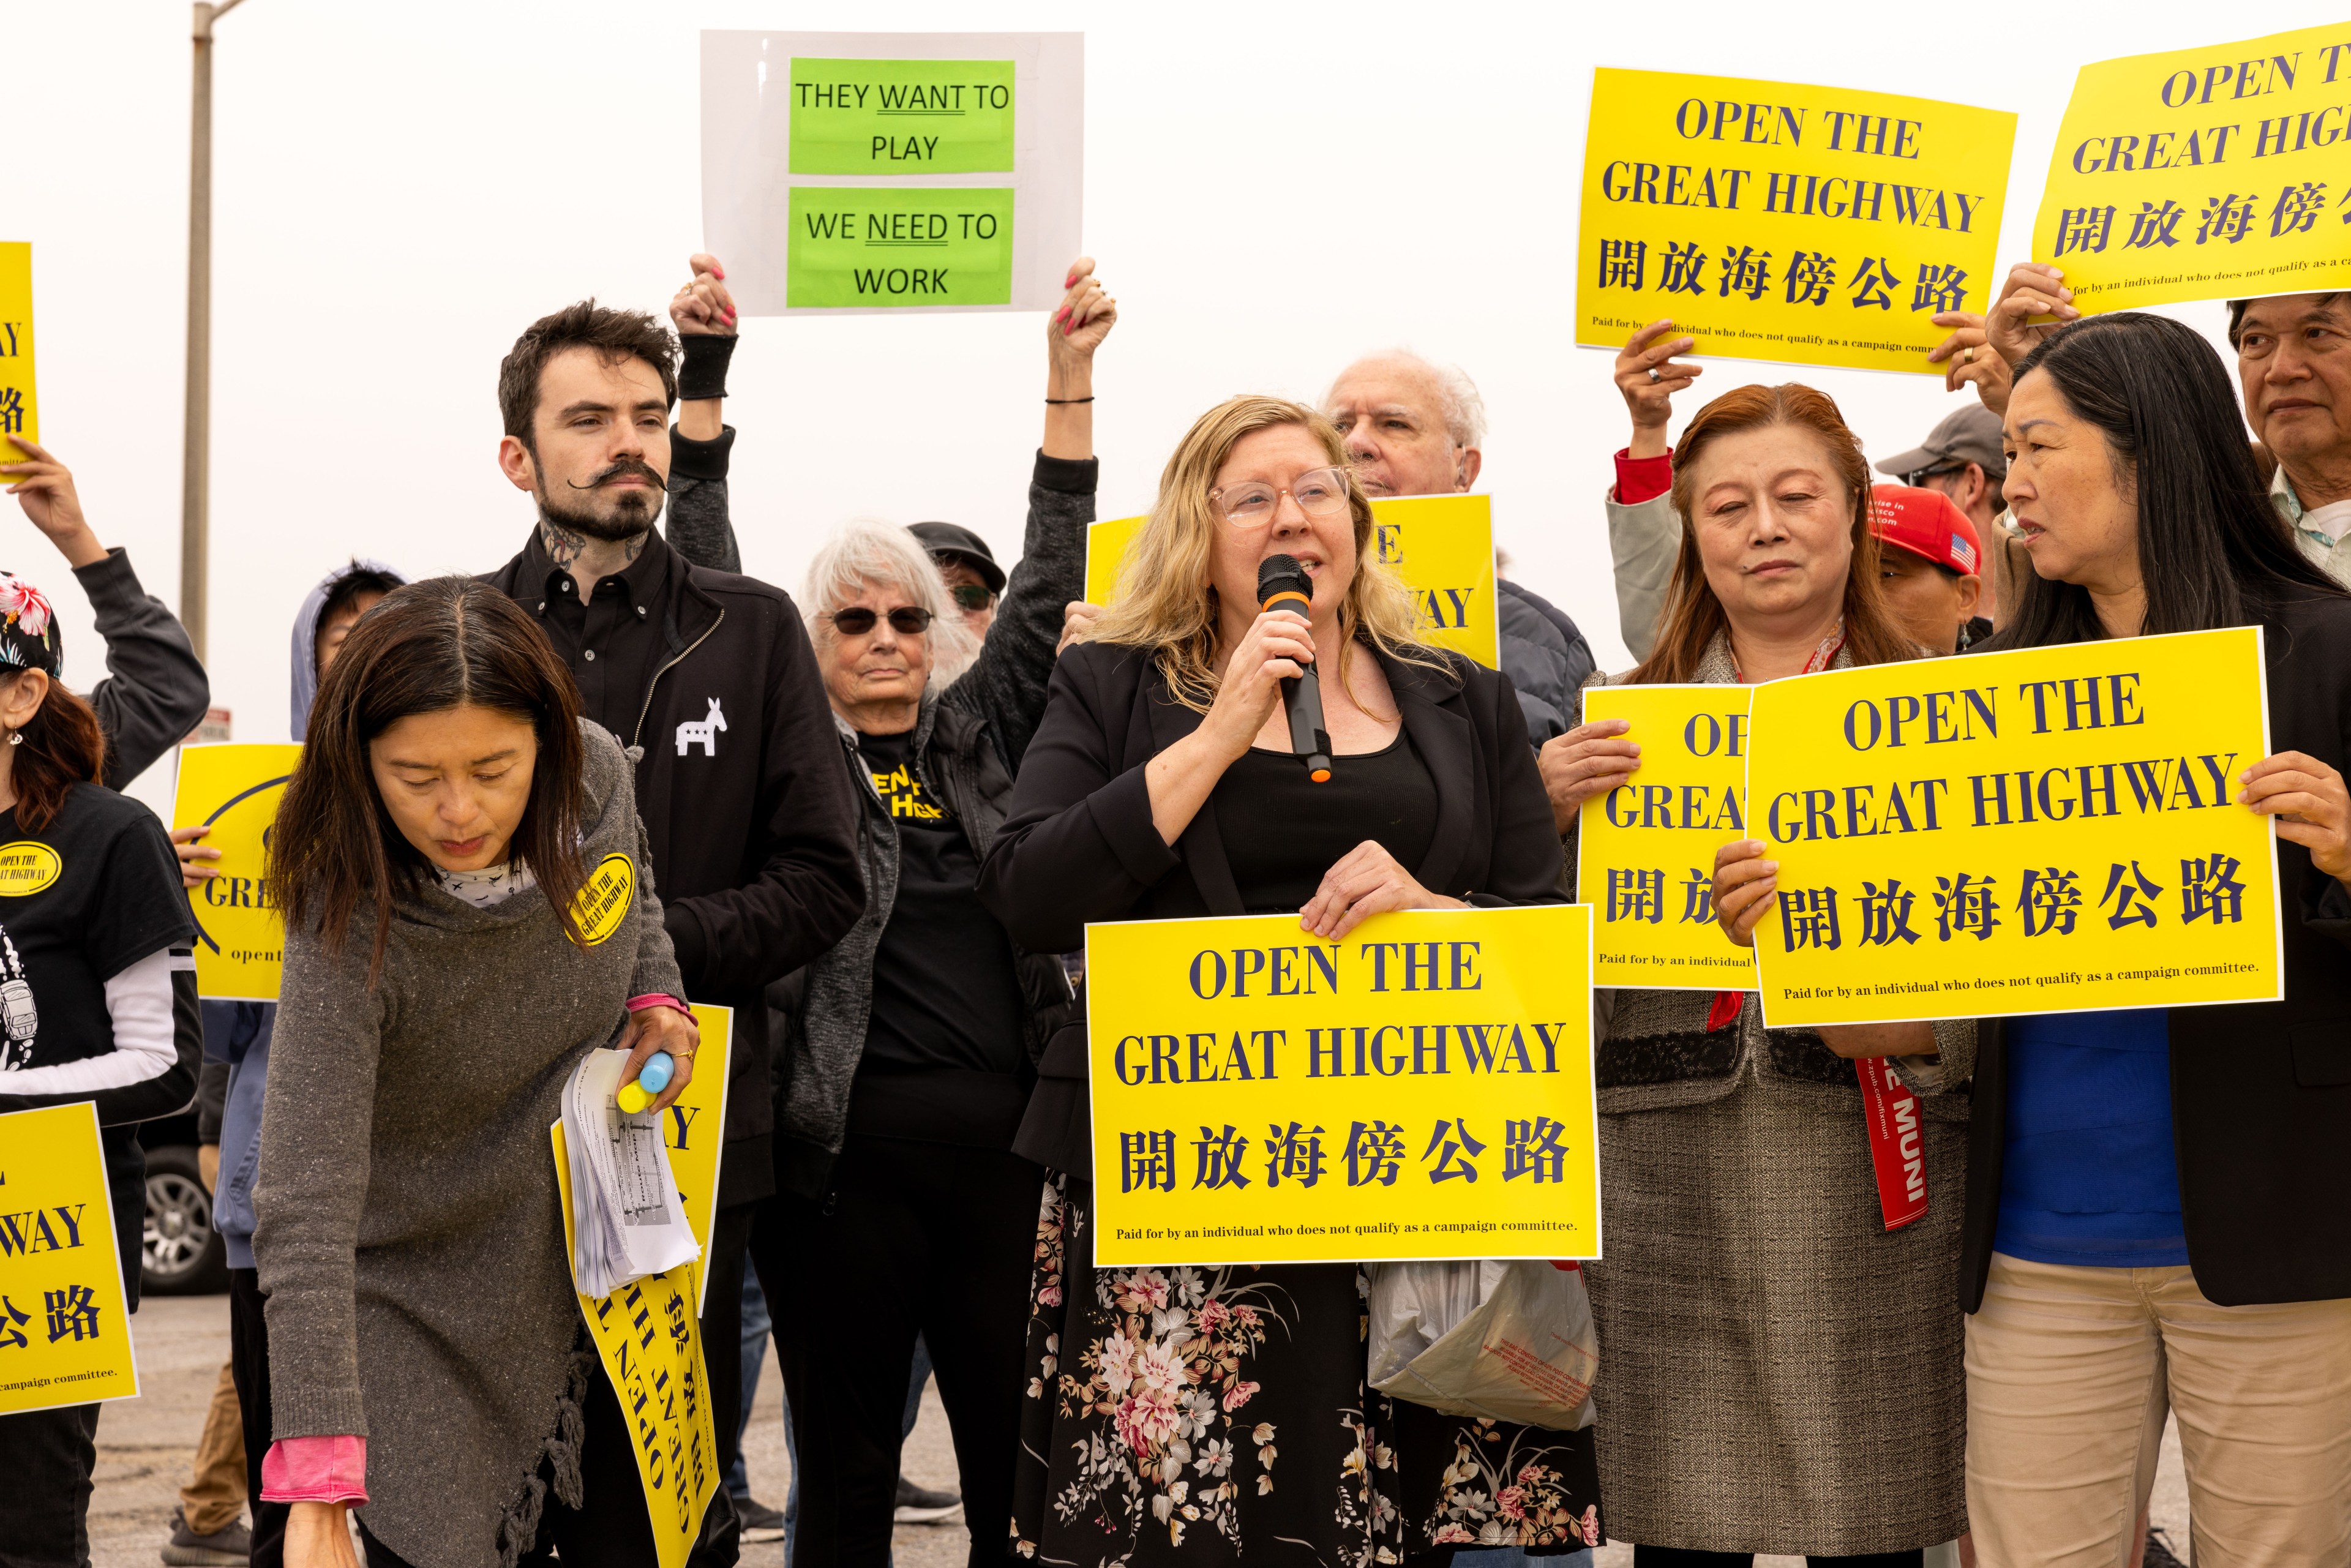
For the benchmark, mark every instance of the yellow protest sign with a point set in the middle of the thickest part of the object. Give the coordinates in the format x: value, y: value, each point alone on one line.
x: 2052, y: 830
x: 20, y: 412
x: 1421, y: 1089
x: 649, y: 1335
x: 1816, y: 226
x: 694, y: 1128
x: 65, y: 1327
x: 233, y: 789
x: 1443, y: 545
x: 2203, y: 173
x: 1645, y: 851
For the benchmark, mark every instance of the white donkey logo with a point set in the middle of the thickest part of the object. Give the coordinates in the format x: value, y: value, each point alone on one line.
x: 704, y: 734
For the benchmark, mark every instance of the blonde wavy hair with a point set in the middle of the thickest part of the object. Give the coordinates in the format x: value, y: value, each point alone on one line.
x: 1167, y: 602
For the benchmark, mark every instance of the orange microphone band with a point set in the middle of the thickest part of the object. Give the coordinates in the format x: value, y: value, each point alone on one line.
x: 1276, y: 599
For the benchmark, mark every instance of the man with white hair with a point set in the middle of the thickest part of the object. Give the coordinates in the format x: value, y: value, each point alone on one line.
x: 1414, y: 427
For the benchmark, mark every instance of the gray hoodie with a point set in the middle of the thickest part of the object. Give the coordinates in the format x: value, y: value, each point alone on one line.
x: 238, y: 1033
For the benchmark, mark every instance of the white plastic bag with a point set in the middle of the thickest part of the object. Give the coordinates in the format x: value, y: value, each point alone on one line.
x: 1511, y: 1340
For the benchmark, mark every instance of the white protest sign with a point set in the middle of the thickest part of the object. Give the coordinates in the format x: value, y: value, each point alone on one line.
x: 891, y: 171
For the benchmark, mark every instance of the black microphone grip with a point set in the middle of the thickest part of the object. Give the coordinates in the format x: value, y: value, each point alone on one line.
x: 1303, y: 698
x: 1283, y: 584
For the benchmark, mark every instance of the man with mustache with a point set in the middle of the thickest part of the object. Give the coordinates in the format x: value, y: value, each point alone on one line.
x: 708, y: 678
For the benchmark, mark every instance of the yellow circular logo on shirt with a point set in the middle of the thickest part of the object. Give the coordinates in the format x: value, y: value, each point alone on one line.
x: 27, y: 866
x: 603, y: 903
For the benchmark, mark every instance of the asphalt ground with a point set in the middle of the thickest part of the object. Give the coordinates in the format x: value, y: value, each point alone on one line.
x: 145, y: 1446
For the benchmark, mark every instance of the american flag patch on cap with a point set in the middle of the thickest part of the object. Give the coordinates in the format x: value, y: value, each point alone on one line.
x: 1963, y: 552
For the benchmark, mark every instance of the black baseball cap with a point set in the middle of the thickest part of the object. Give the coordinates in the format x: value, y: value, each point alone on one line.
x: 947, y: 541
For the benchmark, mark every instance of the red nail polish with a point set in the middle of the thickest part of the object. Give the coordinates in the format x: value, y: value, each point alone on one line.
x: 719, y: 273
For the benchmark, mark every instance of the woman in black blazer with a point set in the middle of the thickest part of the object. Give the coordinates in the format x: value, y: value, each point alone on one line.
x: 1161, y: 785
x: 2160, y: 1200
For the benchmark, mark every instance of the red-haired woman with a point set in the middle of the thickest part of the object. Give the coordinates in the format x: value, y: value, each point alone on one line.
x: 98, y: 1003
x: 1784, y: 1374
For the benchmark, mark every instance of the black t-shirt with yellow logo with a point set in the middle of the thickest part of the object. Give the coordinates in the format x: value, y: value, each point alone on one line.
x: 945, y: 991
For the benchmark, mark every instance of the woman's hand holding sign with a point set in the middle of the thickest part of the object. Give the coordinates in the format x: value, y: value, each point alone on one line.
x: 1745, y: 887
x: 2311, y: 806
x: 2033, y: 288
x: 1648, y: 375
x: 1966, y: 357
x: 1366, y: 881
x: 1585, y: 763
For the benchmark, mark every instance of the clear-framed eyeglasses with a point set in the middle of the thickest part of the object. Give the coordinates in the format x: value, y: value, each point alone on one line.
x: 1319, y: 492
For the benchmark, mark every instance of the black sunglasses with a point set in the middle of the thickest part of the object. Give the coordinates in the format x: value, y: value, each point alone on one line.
x: 908, y: 620
x: 971, y: 596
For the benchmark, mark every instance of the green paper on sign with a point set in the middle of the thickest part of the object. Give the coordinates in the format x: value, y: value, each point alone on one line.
x: 884, y: 246
x: 902, y: 117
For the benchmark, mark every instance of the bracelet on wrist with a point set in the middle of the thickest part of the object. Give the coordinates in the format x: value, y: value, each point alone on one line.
x: 1068, y: 399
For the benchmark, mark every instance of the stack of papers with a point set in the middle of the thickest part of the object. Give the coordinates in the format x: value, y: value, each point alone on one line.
x: 626, y: 1219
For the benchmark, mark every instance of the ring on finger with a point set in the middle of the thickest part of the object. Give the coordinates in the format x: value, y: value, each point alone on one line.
x: 1967, y: 355
x: 1654, y: 377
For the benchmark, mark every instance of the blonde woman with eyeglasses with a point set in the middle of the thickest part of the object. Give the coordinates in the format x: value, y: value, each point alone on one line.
x: 1194, y: 1415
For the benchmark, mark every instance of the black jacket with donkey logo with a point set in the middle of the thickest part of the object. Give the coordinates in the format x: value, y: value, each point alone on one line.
x: 750, y: 815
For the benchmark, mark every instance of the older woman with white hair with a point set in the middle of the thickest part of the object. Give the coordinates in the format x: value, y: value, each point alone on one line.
x: 911, y: 1044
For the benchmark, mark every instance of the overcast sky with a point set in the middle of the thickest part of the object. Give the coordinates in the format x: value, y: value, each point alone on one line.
x: 1270, y: 187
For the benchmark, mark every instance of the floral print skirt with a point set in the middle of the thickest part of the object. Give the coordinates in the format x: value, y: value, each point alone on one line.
x: 1185, y: 1416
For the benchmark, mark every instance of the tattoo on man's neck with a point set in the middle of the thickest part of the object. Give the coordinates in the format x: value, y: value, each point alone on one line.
x: 568, y: 547
x: 563, y: 546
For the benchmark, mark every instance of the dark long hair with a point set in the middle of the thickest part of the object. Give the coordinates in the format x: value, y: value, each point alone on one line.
x: 442, y: 643
x: 2212, y: 549
x: 1693, y: 614
x: 63, y: 746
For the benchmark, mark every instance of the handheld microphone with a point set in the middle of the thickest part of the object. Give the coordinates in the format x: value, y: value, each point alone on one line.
x: 1282, y: 584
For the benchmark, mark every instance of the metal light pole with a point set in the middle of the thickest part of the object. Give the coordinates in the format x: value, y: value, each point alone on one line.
x: 195, y: 471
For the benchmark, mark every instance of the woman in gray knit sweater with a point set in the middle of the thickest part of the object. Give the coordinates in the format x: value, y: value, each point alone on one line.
x: 445, y: 973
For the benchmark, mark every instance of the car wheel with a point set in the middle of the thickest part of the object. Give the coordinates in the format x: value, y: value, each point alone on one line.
x: 182, y: 1254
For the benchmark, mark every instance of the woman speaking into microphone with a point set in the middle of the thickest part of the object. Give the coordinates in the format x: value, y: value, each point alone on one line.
x: 1162, y: 784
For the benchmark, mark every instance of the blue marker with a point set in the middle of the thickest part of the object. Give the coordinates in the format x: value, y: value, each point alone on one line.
x: 651, y: 1079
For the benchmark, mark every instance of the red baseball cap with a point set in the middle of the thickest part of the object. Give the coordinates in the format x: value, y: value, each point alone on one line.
x: 1929, y: 524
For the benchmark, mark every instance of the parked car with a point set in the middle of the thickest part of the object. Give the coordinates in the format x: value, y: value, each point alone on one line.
x: 181, y: 1253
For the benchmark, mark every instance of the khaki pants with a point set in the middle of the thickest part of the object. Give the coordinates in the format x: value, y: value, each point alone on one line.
x: 2070, y: 1372
x: 213, y: 1497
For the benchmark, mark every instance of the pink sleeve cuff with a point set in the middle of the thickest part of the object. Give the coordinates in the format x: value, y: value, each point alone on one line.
x: 1640, y: 479
x: 315, y: 1470
x: 658, y: 999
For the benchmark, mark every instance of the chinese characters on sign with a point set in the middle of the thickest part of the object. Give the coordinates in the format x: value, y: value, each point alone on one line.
x: 2021, y: 832
x: 1421, y: 1089
x: 19, y: 408
x: 2203, y: 173
x: 65, y: 1328
x: 1645, y: 851
x: 1779, y: 220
